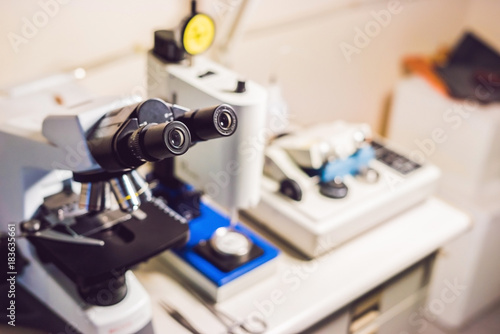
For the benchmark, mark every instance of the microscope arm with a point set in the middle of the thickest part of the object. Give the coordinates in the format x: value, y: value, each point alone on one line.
x: 68, y: 131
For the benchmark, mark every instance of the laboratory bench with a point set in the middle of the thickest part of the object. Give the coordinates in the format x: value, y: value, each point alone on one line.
x: 382, y: 275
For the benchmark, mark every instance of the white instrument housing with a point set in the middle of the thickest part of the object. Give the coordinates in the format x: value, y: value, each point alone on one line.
x: 228, y: 170
x: 317, y: 224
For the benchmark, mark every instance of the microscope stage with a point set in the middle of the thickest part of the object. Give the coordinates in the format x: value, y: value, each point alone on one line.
x: 125, y: 245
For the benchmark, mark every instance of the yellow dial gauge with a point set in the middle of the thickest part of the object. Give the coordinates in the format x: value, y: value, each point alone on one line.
x: 198, y: 34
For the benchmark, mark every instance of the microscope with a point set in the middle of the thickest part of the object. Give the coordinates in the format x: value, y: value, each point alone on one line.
x: 84, y: 215
x: 222, y: 256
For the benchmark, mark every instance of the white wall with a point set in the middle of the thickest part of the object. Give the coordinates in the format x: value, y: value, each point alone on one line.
x: 303, y: 50
x: 79, y: 33
x: 483, y: 17
x: 295, y: 40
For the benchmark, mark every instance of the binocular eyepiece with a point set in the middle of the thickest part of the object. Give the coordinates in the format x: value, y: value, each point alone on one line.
x: 210, y: 123
x: 155, y: 130
x: 153, y: 142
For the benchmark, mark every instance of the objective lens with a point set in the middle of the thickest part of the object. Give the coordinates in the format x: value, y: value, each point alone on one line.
x: 176, y: 138
x: 124, y: 192
x: 225, y: 120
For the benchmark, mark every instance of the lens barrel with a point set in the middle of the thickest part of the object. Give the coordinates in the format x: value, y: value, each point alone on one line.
x: 154, y: 130
x: 210, y: 123
x: 154, y: 142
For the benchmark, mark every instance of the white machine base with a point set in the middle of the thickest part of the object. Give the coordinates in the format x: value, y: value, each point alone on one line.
x: 317, y: 224
x: 209, y: 288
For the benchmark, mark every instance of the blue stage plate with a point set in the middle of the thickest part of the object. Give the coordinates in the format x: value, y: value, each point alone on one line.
x: 202, y: 228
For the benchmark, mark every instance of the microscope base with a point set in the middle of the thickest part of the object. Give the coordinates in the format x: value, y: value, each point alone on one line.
x: 214, y: 283
x: 58, y: 293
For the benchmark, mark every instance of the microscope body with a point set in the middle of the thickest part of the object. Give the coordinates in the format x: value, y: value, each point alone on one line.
x: 64, y: 153
x: 37, y: 157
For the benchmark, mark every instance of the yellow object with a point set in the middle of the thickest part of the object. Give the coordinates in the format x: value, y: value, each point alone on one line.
x: 198, y: 34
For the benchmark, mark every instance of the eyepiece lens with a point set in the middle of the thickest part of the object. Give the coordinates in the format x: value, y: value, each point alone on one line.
x: 176, y: 138
x: 225, y: 120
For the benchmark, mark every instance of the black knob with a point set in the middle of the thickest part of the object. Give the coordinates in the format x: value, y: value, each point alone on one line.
x: 291, y: 188
x: 166, y: 48
x: 333, y: 189
x: 241, y: 87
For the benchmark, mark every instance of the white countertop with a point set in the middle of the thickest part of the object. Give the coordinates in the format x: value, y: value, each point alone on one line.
x: 305, y: 292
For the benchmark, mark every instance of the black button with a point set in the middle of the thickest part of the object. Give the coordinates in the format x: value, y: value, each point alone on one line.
x: 333, y: 189
x: 240, y: 87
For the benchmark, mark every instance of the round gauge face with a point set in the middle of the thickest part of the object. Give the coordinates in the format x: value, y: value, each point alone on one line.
x: 232, y: 243
x: 198, y: 34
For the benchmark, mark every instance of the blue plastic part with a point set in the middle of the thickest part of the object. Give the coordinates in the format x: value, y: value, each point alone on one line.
x: 202, y: 228
x: 348, y: 166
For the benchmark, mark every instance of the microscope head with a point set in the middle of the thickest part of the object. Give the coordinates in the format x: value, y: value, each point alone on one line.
x: 151, y: 131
